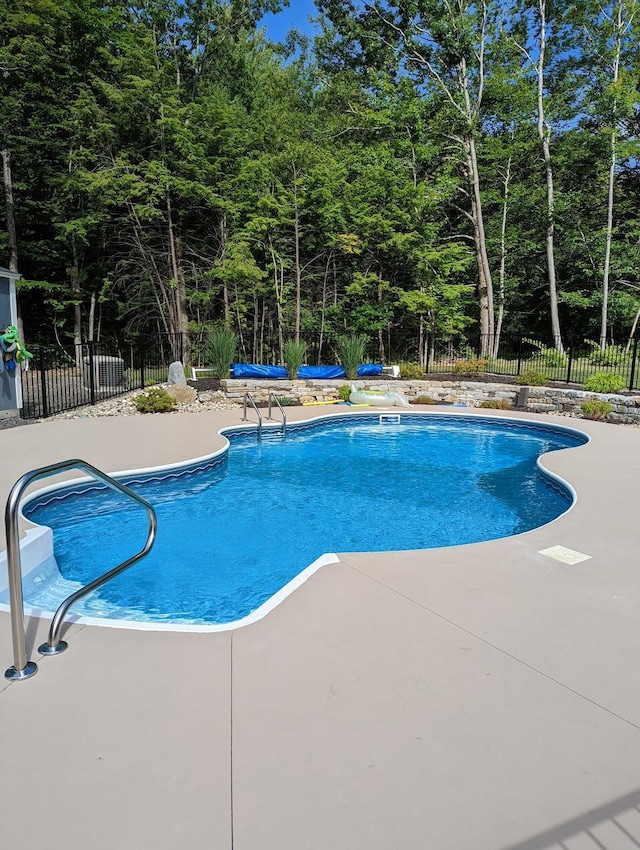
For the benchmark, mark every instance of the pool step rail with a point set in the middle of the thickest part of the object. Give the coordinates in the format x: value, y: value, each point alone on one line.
x: 249, y: 399
x: 23, y: 668
x: 274, y: 397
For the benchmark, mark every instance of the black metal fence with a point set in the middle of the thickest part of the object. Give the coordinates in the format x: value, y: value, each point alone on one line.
x: 60, y: 380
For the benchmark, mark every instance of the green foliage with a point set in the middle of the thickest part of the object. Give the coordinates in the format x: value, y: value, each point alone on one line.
x: 611, y: 355
x: 155, y: 400
x: 424, y: 399
x: 288, y: 401
x: 411, y: 371
x: 294, y: 355
x: 172, y: 168
x: 352, y: 350
x: 604, y: 382
x: 597, y: 410
x: 220, y: 351
x: 344, y: 392
x: 531, y: 378
x: 496, y: 404
x: 547, y: 356
x: 474, y: 366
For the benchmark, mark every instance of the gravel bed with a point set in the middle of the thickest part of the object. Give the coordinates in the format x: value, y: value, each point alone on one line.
x: 123, y: 406
x: 7, y: 422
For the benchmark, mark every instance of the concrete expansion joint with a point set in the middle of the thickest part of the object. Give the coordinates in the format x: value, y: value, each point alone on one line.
x: 494, y: 646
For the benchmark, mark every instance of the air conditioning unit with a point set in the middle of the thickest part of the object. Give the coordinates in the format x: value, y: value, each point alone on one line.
x: 108, y: 372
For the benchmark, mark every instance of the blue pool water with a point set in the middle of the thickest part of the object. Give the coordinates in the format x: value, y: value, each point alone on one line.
x: 233, y: 531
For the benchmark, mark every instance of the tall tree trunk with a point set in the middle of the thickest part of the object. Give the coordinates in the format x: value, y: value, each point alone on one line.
x: 612, y: 174
x: 12, y: 241
x: 77, y: 307
x: 256, y: 323
x: 485, y: 280
x: 380, y: 334
x: 324, y: 306
x: 296, y: 265
x: 92, y: 318
x: 225, y: 288
x: 632, y: 332
x: 503, y: 257
x: 180, y: 315
x: 544, y: 134
x: 278, y: 285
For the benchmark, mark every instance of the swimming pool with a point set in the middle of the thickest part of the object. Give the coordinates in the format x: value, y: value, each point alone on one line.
x: 239, y: 527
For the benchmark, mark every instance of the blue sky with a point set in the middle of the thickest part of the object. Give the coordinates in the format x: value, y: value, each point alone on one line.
x: 297, y: 15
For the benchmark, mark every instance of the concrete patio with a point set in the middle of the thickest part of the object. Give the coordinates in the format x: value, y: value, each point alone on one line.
x: 482, y: 697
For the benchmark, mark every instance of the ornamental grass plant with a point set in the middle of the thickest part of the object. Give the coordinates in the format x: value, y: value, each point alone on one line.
x: 351, y: 350
x: 294, y: 355
x: 221, y: 351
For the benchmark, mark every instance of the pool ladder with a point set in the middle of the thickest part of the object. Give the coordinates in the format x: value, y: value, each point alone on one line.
x: 275, y: 398
x: 249, y: 399
x: 23, y: 668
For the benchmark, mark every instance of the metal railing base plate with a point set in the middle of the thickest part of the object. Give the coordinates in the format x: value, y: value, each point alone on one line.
x: 18, y: 675
x: 47, y: 649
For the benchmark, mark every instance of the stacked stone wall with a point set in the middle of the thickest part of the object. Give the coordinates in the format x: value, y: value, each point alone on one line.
x: 626, y: 408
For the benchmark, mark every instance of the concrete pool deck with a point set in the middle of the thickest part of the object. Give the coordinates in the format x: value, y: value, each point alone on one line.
x: 481, y: 697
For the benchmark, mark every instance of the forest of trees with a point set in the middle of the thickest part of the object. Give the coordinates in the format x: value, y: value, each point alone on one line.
x: 461, y: 167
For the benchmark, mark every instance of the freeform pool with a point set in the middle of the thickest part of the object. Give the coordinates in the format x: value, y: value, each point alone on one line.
x: 233, y: 531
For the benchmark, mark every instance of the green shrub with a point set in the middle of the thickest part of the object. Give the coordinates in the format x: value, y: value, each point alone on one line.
x: 550, y: 356
x: 411, y: 371
x: 531, y: 378
x: 604, y: 382
x: 221, y: 350
x: 424, y: 399
x: 597, y: 410
x: 475, y: 366
x: 287, y: 401
x: 344, y: 392
x: 294, y: 354
x: 352, y: 353
x: 496, y: 404
x: 612, y: 355
x: 155, y: 400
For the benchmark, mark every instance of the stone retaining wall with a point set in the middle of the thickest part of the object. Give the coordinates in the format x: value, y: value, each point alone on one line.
x: 626, y: 408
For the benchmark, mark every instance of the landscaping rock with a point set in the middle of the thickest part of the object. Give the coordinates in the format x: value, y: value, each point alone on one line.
x: 176, y: 375
x: 182, y: 394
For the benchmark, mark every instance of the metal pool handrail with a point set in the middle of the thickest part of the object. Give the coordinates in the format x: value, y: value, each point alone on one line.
x: 22, y: 667
x: 249, y: 397
x: 280, y: 408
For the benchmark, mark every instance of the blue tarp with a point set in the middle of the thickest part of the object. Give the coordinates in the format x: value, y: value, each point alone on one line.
x: 322, y: 372
x: 251, y: 370
x: 369, y: 369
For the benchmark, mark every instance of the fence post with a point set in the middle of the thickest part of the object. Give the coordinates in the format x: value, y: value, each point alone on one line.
x: 141, y: 352
x: 519, y: 357
x: 92, y: 377
x: 43, y: 385
x: 569, y: 359
x: 633, y: 363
